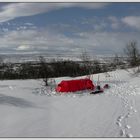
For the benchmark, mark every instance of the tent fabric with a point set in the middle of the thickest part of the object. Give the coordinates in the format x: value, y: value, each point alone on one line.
x: 75, y: 85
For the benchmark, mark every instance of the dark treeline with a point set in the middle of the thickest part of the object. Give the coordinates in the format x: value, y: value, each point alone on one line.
x: 43, y: 69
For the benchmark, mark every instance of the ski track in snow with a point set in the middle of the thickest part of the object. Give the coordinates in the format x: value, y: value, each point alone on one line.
x: 123, y: 90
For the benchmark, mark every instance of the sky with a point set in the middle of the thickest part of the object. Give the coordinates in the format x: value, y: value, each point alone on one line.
x: 68, y: 29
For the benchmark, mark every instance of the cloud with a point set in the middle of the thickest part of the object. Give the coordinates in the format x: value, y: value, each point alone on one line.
x: 15, y: 10
x: 28, y: 24
x: 34, y: 40
x: 55, y: 43
x: 23, y: 47
x: 115, y: 24
x: 132, y: 21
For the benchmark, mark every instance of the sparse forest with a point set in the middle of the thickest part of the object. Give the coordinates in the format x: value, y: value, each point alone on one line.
x: 60, y: 68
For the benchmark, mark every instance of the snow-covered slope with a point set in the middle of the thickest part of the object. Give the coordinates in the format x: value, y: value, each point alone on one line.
x: 28, y: 110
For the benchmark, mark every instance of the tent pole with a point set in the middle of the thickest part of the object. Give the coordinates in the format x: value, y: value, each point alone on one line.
x: 98, y: 80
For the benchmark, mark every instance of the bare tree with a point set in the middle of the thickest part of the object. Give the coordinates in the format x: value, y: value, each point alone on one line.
x: 118, y: 62
x: 132, y: 53
x: 43, y: 70
x: 86, y: 61
x: 84, y: 56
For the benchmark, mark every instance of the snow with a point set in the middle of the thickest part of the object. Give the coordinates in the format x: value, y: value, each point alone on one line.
x: 30, y: 110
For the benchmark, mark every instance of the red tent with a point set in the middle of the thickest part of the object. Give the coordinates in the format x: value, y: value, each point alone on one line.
x: 75, y: 85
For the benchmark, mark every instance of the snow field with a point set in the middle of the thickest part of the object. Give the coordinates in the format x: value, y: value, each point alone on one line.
x: 28, y: 109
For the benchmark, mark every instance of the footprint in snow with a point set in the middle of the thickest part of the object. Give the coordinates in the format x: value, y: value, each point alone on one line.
x: 127, y: 126
x: 119, y: 124
x: 129, y: 135
x: 128, y: 115
x: 135, y: 110
x: 122, y: 132
x: 120, y: 118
